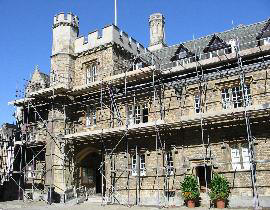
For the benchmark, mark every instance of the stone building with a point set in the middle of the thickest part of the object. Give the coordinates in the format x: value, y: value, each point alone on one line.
x: 8, y: 189
x: 128, y: 123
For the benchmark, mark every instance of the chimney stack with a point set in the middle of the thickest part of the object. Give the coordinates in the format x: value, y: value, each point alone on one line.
x: 157, y: 31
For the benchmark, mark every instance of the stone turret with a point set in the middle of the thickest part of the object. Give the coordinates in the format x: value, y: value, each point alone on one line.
x: 65, y: 31
x: 157, y: 31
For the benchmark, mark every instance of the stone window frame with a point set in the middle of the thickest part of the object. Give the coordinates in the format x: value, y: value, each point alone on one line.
x: 90, y: 116
x: 113, y: 162
x: 137, y: 112
x: 226, y: 93
x: 196, y: 99
x: 197, y: 103
x: 88, y: 66
x: 113, y: 117
x: 30, y: 170
x: 169, y: 164
x: 241, y: 164
x: 134, y: 164
x: 232, y: 97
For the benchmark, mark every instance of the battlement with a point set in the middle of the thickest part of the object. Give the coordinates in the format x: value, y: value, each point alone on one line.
x: 110, y: 33
x: 68, y: 19
x: 156, y: 16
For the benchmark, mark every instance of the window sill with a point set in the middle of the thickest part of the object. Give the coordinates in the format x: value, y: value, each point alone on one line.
x: 240, y: 170
x: 90, y: 126
x: 142, y: 175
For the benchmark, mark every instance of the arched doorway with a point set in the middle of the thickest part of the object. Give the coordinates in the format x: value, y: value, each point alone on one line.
x: 90, y: 175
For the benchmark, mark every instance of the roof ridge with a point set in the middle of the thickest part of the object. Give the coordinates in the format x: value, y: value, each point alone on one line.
x: 210, y: 35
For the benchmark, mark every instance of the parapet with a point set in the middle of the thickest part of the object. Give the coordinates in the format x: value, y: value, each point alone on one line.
x: 110, y: 33
x: 68, y: 19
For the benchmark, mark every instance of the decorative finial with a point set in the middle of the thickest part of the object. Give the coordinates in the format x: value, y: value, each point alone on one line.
x: 36, y: 68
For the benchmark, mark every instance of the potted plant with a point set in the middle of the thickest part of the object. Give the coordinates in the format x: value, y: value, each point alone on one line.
x: 219, y: 190
x: 190, y: 190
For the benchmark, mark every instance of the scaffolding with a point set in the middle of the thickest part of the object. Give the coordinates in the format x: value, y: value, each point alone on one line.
x: 156, y: 77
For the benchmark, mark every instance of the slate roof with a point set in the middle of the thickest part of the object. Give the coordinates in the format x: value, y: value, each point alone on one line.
x: 246, y: 35
x: 46, y: 78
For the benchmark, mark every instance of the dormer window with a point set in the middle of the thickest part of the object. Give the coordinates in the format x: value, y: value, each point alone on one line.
x: 266, y: 41
x: 216, y: 47
x: 264, y: 36
x: 183, y: 56
x: 138, y: 64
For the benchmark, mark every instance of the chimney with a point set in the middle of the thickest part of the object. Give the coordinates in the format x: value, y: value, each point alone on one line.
x: 157, y: 31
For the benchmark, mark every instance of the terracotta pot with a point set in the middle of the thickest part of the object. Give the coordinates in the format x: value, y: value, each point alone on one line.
x: 220, y: 204
x: 191, y: 203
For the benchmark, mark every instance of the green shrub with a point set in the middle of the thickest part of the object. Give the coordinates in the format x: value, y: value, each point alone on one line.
x: 219, y: 188
x: 190, y: 188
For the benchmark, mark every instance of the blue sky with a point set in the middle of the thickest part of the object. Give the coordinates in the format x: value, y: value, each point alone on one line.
x: 26, y: 33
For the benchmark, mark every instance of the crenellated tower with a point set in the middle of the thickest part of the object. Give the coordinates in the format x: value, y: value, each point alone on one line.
x: 65, y: 31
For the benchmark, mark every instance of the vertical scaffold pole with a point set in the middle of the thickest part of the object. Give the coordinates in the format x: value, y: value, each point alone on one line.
x: 248, y: 129
x: 154, y: 106
x: 115, y: 12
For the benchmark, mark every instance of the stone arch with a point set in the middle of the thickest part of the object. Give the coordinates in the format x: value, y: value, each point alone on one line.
x: 88, y: 162
x: 84, y: 152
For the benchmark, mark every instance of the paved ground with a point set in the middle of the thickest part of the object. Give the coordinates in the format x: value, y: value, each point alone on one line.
x: 15, y: 205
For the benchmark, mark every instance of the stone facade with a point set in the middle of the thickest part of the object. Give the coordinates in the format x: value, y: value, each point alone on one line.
x: 116, y: 114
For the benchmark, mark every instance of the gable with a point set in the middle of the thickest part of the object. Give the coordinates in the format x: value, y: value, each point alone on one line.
x: 215, y: 43
x: 38, y: 81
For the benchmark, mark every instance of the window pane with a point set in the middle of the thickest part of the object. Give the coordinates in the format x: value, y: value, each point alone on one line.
x: 88, y: 118
x: 246, y: 158
x: 225, y: 98
x: 235, y: 156
x: 247, y: 95
x: 134, y: 166
x: 130, y: 115
x: 169, y: 163
x: 197, y: 104
x: 91, y: 74
x: 137, y: 114
x: 145, y: 113
x: 94, y: 116
x: 237, y: 97
x: 142, y: 165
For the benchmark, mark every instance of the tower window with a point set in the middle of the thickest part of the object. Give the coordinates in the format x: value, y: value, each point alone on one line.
x: 91, y: 73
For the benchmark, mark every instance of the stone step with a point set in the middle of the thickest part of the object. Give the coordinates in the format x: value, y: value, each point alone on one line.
x: 205, y: 199
x: 94, y: 199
